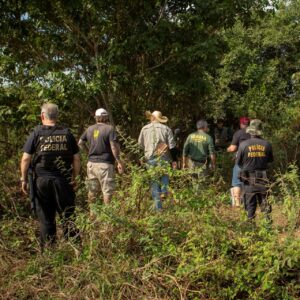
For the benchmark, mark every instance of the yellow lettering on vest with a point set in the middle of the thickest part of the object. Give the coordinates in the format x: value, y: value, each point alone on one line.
x: 54, y: 139
x: 54, y: 147
x: 63, y: 147
x: 256, y: 154
x: 198, y: 138
x: 45, y: 147
x: 256, y: 148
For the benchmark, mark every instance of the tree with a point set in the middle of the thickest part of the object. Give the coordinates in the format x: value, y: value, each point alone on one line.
x: 127, y: 56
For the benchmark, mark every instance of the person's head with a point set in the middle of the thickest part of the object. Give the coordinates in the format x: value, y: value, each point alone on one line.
x: 244, y: 122
x: 101, y: 115
x: 202, y: 125
x: 220, y: 123
x: 177, y: 131
x: 49, y: 113
x: 156, y: 116
x: 255, y: 128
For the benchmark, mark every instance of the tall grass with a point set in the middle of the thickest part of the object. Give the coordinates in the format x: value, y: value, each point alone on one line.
x: 197, y: 248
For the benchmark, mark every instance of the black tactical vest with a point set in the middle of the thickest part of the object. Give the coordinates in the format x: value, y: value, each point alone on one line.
x: 53, y: 150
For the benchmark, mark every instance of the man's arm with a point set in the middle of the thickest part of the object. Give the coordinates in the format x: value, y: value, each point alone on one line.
x: 211, y: 149
x: 76, y: 165
x: 184, y: 162
x: 115, y: 148
x: 83, y: 146
x: 25, y: 162
x: 232, y: 148
x: 185, y: 153
x: 213, y: 160
x: 172, y: 147
x: 141, y: 140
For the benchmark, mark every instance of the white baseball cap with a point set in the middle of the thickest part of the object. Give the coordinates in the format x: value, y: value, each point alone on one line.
x: 101, y: 112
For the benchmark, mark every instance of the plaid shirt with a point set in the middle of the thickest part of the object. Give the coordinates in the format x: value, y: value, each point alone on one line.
x: 154, y: 133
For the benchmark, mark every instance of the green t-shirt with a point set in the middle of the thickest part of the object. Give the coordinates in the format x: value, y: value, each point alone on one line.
x: 198, y: 146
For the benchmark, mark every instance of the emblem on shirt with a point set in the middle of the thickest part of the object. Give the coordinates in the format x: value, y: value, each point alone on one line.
x: 198, y: 138
x: 256, y: 151
x: 96, y: 134
x: 54, y: 143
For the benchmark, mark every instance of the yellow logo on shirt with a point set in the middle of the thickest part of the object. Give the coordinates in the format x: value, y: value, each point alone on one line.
x: 256, y: 151
x: 96, y: 134
x: 198, y: 138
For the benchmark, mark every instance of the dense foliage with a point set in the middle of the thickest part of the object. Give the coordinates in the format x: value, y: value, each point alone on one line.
x: 189, y: 59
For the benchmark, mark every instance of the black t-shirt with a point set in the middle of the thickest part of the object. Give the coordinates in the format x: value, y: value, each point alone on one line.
x: 254, y: 154
x: 240, y: 136
x: 53, y: 148
x: 99, y: 137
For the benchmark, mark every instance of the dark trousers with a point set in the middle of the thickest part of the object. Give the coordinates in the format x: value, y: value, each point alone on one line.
x: 254, y: 196
x: 54, y: 195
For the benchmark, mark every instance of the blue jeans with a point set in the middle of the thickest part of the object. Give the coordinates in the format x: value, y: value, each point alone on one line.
x: 159, y: 185
x: 235, y: 176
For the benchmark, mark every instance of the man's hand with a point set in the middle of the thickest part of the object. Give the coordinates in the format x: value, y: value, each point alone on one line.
x: 25, y: 162
x: 24, y: 187
x: 74, y: 183
x: 121, y: 167
x: 232, y: 148
x: 174, y: 165
x: 184, y: 162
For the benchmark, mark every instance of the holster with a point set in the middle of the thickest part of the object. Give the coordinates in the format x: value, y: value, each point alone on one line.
x: 161, y: 149
x: 254, y: 178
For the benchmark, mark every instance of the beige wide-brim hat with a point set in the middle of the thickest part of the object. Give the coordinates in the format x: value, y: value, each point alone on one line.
x: 157, y: 115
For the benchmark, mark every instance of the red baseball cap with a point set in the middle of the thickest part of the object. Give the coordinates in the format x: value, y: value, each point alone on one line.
x: 244, y: 120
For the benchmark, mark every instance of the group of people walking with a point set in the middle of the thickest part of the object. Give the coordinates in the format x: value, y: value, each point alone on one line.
x: 52, y: 153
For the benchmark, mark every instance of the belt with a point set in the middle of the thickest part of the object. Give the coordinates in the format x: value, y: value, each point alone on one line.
x: 199, y: 161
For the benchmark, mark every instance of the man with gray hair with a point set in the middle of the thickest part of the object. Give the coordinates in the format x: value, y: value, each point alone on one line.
x: 103, y: 151
x: 199, y: 149
x: 52, y: 154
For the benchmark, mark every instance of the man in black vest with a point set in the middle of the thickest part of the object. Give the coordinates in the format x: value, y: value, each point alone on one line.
x: 253, y: 157
x: 52, y: 152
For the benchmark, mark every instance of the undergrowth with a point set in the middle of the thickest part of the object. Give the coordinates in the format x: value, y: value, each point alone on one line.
x: 197, y: 248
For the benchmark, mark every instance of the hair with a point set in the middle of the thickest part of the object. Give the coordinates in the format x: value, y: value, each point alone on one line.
x: 201, y: 124
x: 50, y: 110
x: 102, y: 119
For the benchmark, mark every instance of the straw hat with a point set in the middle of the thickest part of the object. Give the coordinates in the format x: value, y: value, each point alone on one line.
x: 157, y: 115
